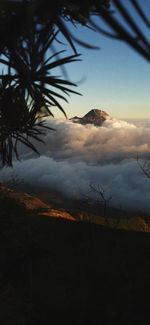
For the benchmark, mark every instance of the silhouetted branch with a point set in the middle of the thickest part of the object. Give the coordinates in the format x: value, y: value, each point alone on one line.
x: 103, y: 199
x: 144, y: 166
x: 140, y: 12
x: 138, y: 42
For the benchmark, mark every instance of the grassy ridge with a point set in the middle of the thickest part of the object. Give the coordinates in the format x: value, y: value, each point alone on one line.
x: 74, y: 271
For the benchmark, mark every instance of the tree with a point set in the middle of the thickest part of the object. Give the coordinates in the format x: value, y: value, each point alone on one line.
x: 28, y: 56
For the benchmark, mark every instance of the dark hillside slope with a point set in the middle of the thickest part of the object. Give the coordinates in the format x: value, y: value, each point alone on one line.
x: 72, y: 271
x: 93, y: 272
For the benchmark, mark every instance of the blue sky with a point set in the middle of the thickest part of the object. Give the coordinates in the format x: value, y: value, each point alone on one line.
x: 114, y: 78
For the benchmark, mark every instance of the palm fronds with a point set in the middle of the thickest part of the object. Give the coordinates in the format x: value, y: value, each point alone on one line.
x: 29, y: 86
x: 18, y: 123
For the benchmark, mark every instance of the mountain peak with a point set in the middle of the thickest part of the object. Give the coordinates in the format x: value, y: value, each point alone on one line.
x: 94, y: 116
x: 96, y: 113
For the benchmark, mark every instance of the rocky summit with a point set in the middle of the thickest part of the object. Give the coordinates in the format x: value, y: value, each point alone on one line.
x: 96, y: 117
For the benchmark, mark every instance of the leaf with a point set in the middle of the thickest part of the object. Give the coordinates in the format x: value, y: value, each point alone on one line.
x: 140, y: 12
x: 57, y: 63
x: 64, y: 30
x: 26, y: 142
x: 53, y: 93
x: 54, y: 101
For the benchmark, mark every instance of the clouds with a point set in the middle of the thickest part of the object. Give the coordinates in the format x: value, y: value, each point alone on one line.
x: 75, y: 155
x: 113, y: 142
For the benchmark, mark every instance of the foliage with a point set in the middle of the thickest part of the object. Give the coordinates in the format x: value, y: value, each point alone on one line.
x: 24, y: 91
x: 25, y: 83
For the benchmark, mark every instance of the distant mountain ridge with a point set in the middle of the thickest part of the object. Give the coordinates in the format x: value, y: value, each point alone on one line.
x: 96, y: 117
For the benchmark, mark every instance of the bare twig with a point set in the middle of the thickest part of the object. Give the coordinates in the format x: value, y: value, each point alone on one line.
x: 144, y: 166
x: 103, y: 199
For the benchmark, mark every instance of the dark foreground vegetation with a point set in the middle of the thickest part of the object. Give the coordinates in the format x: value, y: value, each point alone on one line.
x: 56, y: 271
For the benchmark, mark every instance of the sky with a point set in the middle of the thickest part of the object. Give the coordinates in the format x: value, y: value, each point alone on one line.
x: 114, y: 78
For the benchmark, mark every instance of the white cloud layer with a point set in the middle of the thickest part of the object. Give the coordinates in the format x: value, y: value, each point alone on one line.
x: 75, y: 155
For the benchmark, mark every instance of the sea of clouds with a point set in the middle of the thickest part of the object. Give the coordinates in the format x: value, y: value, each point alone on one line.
x: 75, y: 156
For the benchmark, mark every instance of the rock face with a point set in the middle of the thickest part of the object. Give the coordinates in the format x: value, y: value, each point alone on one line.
x: 95, y: 117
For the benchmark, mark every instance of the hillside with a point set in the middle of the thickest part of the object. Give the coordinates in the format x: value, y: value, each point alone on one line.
x: 54, y: 268
x: 82, y: 209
